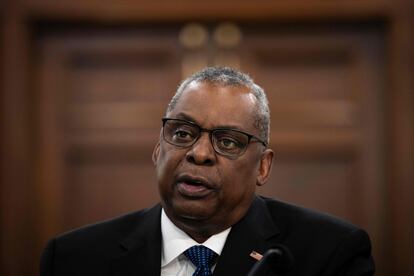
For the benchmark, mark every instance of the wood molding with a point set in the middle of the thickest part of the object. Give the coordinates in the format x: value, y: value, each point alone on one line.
x: 400, y: 144
x: 16, y: 159
x: 261, y: 10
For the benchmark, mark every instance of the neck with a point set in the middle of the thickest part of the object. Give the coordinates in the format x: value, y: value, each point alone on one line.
x: 199, y: 231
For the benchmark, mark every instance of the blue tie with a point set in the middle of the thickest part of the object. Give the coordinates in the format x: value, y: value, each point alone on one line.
x: 202, y: 257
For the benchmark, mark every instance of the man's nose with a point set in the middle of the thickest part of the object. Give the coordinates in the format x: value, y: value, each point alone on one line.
x: 202, y: 152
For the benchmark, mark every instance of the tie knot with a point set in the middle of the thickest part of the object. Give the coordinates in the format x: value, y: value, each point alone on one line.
x: 202, y: 257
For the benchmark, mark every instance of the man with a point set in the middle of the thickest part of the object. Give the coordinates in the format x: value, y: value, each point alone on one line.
x: 212, y: 153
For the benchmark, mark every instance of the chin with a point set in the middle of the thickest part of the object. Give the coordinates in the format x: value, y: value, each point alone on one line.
x: 191, y: 211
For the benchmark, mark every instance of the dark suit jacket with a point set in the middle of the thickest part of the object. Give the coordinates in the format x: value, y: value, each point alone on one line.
x: 131, y: 244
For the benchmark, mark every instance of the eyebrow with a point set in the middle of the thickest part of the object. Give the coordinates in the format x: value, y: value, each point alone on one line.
x: 187, y: 117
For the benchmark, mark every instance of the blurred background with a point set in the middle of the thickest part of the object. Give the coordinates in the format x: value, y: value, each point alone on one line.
x: 85, y: 84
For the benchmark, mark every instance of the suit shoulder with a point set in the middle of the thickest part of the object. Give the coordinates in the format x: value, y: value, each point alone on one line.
x: 90, y: 249
x: 320, y: 242
x: 289, y: 214
x: 105, y: 232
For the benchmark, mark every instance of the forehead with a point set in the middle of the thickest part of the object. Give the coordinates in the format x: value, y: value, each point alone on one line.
x: 213, y: 105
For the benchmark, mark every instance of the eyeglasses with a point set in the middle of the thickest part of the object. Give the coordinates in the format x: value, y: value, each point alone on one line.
x: 228, y: 142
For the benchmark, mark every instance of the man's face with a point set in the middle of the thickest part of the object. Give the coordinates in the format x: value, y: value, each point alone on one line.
x: 198, y: 186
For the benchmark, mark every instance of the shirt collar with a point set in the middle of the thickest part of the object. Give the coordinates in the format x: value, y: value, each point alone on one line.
x: 175, y: 241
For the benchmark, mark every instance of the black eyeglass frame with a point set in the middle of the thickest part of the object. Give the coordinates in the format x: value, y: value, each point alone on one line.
x: 250, y: 137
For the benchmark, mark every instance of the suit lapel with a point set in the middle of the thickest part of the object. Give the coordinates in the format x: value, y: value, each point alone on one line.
x: 256, y: 231
x: 141, y: 250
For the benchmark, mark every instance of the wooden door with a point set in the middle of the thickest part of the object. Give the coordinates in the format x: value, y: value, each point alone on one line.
x: 326, y: 92
x: 101, y: 93
x: 101, y: 96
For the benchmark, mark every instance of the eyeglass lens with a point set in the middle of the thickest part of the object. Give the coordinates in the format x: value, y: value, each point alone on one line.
x: 183, y: 134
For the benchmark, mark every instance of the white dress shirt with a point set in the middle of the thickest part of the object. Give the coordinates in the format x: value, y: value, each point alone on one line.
x: 175, y: 242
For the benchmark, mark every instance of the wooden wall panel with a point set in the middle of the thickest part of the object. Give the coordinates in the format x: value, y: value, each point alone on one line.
x: 31, y: 141
x: 16, y: 193
x: 327, y: 107
x: 101, y: 99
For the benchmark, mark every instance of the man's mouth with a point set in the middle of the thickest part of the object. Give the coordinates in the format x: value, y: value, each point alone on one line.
x: 193, y: 187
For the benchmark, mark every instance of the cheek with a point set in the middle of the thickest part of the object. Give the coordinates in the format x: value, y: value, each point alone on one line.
x: 164, y: 171
x: 168, y: 160
x: 241, y: 178
x: 248, y: 168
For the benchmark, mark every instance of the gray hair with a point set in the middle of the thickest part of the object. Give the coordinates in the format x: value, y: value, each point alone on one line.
x: 226, y: 76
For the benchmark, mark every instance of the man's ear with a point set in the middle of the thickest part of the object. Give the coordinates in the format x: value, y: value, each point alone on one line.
x: 265, y: 167
x: 156, y: 153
